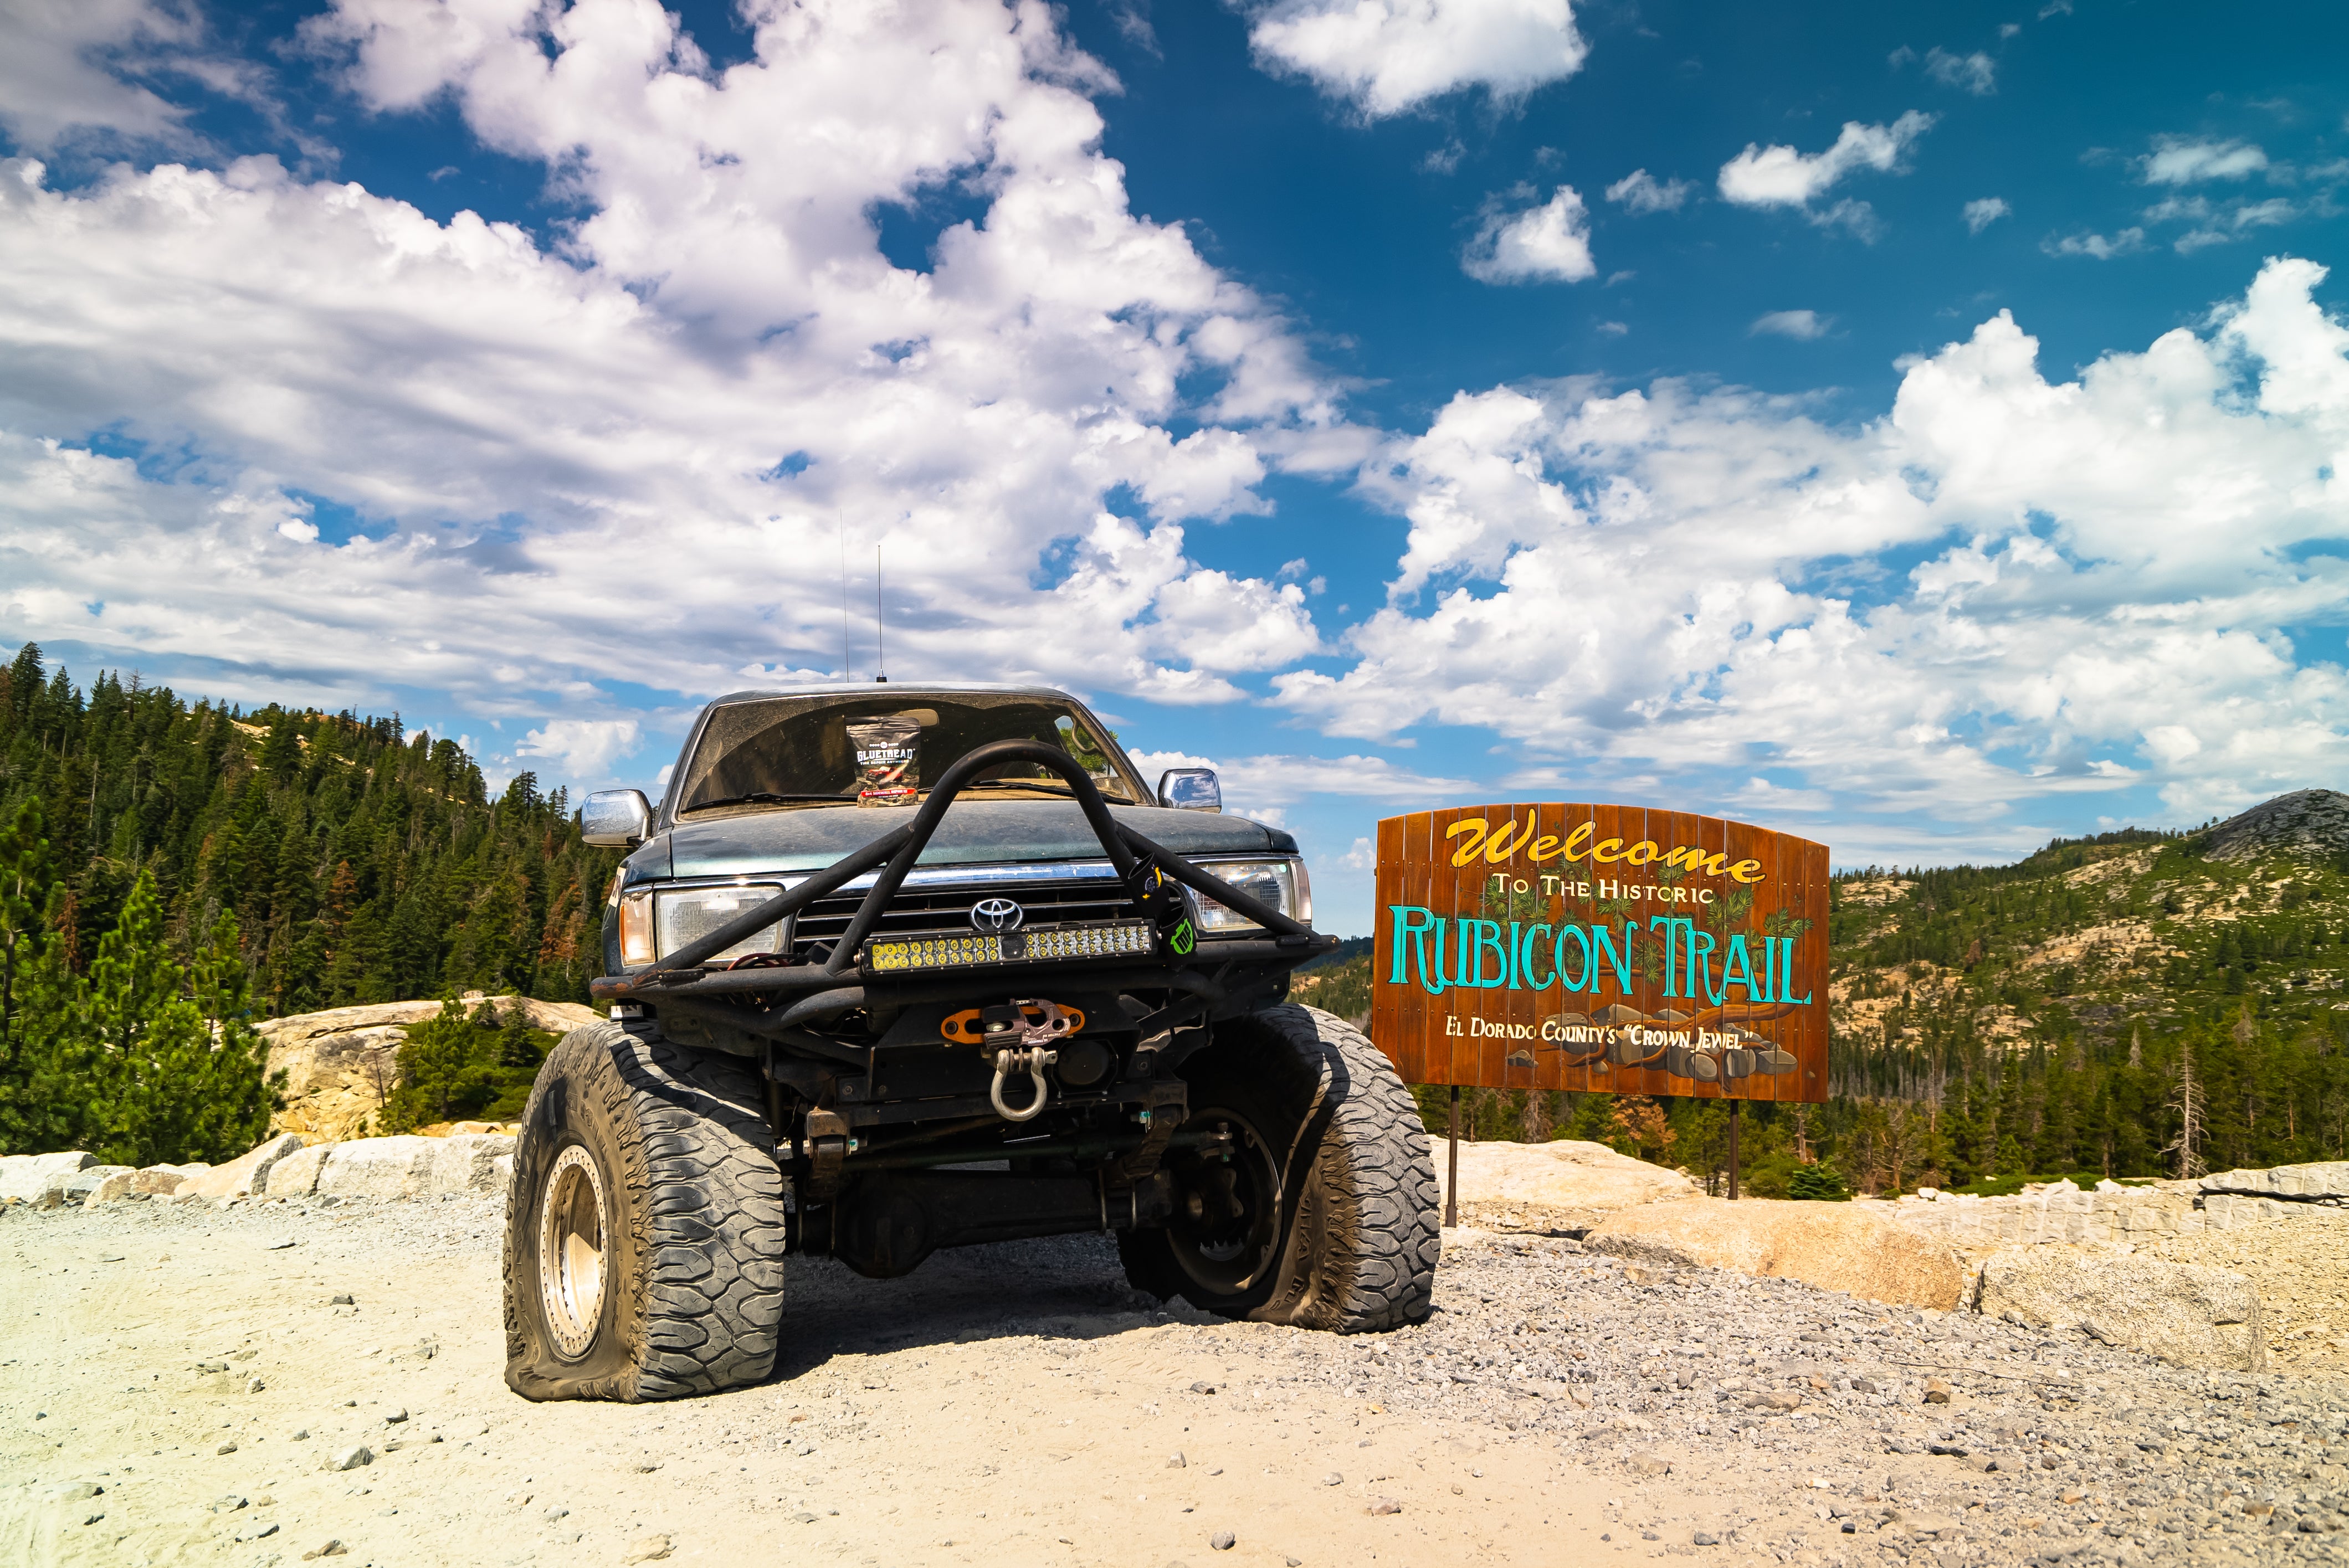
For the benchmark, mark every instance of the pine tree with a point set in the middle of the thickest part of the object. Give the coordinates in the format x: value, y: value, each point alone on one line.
x: 230, y: 1086
x: 516, y: 1048
x: 23, y: 879
x: 48, y: 1086
x: 133, y: 977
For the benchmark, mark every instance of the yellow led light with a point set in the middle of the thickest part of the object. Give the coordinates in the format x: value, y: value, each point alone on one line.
x: 950, y: 952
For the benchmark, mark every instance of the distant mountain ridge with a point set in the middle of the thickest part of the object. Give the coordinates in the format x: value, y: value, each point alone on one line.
x: 2307, y: 824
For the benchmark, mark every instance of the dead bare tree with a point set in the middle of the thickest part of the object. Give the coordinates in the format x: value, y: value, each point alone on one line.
x: 2186, y: 1099
x: 382, y: 1070
x: 1908, y: 1136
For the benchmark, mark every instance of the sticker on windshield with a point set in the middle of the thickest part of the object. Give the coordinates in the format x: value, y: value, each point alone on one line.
x: 888, y: 754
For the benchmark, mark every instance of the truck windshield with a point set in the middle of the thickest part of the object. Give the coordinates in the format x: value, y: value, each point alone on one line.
x: 798, y: 751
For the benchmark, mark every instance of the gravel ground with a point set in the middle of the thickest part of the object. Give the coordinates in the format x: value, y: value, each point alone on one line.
x: 1018, y: 1404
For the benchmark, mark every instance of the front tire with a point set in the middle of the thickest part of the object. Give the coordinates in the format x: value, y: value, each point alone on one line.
x: 645, y: 1229
x: 1320, y: 1208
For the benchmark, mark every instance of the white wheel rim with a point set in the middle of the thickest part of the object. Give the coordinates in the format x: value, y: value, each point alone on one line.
x: 571, y: 1251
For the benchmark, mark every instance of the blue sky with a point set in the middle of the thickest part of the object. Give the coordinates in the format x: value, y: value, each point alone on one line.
x: 1913, y: 428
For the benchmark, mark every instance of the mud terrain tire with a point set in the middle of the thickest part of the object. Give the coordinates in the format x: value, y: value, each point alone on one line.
x: 1322, y: 1115
x: 644, y: 1255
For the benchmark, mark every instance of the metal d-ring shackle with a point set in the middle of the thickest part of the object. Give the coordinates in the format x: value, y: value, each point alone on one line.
x: 1031, y: 1056
x: 1033, y: 1060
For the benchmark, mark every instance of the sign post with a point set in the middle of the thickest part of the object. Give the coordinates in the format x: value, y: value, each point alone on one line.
x: 1451, y: 1176
x: 1602, y: 948
x: 1734, y: 1106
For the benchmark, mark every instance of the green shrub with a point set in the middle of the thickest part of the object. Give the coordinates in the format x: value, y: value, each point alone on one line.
x: 455, y: 1067
x: 1817, y: 1183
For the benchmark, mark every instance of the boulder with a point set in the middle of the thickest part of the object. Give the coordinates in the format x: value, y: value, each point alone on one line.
x: 1571, y: 1183
x: 82, y: 1185
x: 248, y: 1174
x: 341, y: 1064
x: 296, y: 1175
x: 379, y: 1168
x: 24, y: 1176
x: 472, y: 1162
x: 2188, y: 1314
x: 1859, y: 1248
x: 154, y: 1181
x: 2328, y: 1180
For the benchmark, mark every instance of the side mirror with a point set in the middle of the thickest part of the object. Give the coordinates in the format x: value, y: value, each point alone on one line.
x: 1190, y: 789
x: 615, y: 818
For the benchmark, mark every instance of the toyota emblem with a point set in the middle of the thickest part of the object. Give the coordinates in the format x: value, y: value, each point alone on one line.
x: 997, y: 916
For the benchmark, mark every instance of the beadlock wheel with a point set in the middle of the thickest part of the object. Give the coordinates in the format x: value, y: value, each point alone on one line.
x: 645, y: 1226
x: 571, y: 1251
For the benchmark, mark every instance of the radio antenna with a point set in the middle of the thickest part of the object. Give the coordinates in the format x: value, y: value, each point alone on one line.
x: 843, y: 603
x: 880, y: 643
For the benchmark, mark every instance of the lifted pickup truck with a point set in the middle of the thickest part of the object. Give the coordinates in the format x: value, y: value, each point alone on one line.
x: 894, y: 968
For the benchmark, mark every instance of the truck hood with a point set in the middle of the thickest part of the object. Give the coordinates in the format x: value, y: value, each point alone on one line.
x: 972, y: 832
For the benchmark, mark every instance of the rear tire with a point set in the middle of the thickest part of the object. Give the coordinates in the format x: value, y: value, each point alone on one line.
x: 645, y: 1230
x: 1324, y: 1216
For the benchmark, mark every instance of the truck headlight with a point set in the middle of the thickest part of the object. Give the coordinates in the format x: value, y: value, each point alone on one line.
x: 1282, y: 883
x: 686, y: 914
x: 654, y: 920
x: 636, y: 928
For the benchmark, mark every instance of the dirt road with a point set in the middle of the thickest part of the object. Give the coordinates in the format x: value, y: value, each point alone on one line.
x: 175, y: 1380
x: 1006, y: 1406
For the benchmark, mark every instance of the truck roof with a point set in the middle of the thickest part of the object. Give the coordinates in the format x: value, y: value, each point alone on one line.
x: 873, y: 689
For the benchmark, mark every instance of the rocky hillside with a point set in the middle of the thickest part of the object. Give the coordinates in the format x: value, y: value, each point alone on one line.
x: 2108, y: 936
x: 342, y: 1066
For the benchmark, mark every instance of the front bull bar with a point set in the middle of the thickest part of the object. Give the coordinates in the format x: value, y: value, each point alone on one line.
x: 679, y: 974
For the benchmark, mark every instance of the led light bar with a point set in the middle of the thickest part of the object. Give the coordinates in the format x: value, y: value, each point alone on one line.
x: 1106, y: 939
x: 1110, y: 940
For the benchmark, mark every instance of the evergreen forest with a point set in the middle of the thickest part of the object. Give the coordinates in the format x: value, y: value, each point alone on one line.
x: 172, y: 872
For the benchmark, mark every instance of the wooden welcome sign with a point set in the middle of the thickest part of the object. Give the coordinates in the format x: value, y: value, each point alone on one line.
x: 1603, y: 948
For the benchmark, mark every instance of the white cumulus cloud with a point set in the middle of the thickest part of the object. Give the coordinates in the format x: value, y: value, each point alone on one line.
x: 1803, y: 324
x: 1645, y: 585
x: 1267, y: 787
x: 2183, y: 160
x: 1976, y: 73
x: 585, y: 748
x: 1982, y: 214
x: 1783, y: 176
x: 1385, y: 56
x: 646, y: 457
x: 1548, y: 243
x: 55, y: 76
x: 2100, y: 247
x: 1642, y: 192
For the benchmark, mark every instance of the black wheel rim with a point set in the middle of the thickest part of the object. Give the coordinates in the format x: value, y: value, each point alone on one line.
x: 1224, y: 1231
